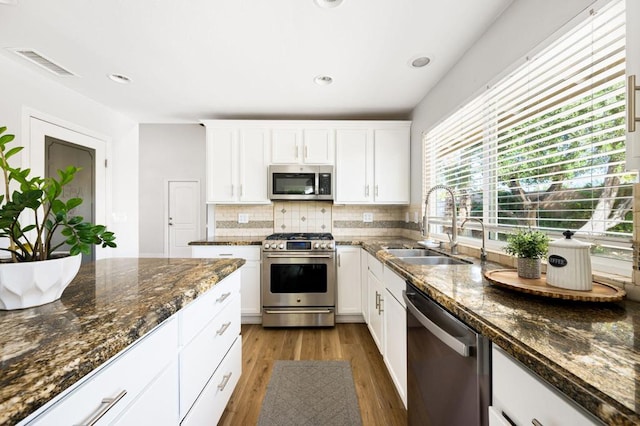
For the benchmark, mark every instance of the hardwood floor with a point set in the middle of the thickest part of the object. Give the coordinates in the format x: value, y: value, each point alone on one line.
x: 379, y: 402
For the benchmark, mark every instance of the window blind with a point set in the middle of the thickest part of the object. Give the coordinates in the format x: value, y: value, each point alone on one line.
x: 544, y: 147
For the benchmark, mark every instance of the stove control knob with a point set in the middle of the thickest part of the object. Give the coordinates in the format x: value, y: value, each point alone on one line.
x: 281, y: 246
x: 316, y: 245
x: 329, y: 246
x: 266, y: 245
x: 324, y: 246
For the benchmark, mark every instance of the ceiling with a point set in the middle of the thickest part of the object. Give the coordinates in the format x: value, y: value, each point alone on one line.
x: 203, y: 59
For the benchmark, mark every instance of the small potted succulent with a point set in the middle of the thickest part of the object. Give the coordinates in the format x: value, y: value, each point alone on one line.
x: 529, y: 246
x: 31, y: 211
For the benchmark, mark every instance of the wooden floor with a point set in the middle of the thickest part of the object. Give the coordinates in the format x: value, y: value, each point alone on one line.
x: 379, y: 402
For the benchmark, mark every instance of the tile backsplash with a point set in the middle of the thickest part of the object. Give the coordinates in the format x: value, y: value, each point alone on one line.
x: 312, y: 216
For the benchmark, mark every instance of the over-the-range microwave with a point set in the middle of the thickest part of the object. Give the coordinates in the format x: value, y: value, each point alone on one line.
x: 301, y: 182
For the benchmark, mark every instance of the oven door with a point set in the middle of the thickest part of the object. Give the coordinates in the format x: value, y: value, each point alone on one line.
x: 298, y: 280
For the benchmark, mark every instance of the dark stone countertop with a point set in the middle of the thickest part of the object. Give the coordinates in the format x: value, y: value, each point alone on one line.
x: 589, y: 351
x: 108, y: 306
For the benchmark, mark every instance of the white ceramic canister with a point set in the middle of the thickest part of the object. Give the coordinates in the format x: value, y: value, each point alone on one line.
x: 569, y: 264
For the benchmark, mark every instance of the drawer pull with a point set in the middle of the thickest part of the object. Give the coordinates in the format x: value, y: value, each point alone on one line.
x: 225, y: 255
x: 106, y: 405
x: 535, y: 422
x: 222, y: 329
x: 225, y: 380
x: 223, y: 297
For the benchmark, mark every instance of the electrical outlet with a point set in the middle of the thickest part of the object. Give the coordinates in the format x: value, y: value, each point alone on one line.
x: 416, y: 218
x: 406, y: 217
x: 367, y: 217
x: 243, y: 218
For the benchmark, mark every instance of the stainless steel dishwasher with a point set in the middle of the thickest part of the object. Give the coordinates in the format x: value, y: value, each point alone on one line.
x: 448, y: 366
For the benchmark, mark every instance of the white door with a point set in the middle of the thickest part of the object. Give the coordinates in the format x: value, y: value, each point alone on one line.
x: 42, y: 131
x: 184, y: 216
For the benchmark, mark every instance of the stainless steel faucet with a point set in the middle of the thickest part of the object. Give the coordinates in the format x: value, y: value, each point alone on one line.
x: 483, y: 251
x: 453, y: 237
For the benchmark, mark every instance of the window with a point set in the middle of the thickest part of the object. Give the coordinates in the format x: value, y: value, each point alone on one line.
x: 544, y: 147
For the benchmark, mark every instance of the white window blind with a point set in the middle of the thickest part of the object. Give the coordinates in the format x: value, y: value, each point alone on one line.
x: 544, y: 147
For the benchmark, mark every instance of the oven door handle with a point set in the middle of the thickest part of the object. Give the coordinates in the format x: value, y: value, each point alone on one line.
x: 460, y: 347
x: 301, y: 256
x: 299, y: 311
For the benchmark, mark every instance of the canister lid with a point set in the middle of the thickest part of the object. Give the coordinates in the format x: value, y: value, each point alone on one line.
x: 569, y: 242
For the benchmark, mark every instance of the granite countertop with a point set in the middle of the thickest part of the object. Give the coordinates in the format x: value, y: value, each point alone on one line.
x: 108, y: 306
x: 589, y: 351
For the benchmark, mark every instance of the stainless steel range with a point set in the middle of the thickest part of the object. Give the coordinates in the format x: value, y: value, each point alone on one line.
x: 298, y: 280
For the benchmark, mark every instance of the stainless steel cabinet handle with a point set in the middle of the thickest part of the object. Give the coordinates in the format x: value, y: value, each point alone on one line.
x: 106, y: 405
x: 241, y: 192
x: 366, y: 190
x: 225, y: 255
x: 338, y: 261
x: 381, y: 305
x: 535, y: 422
x: 223, y: 297
x: 222, y: 329
x: 296, y: 152
x: 232, y: 191
x: 455, y: 344
x: 225, y: 380
x: 377, y: 300
x: 376, y: 190
x: 306, y: 152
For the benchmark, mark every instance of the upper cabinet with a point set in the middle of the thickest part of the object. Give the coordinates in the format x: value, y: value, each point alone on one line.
x: 371, y: 158
x: 373, y: 164
x: 302, y: 145
x: 237, y: 162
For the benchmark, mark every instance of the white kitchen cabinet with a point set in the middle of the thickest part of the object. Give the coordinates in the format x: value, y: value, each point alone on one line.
x: 373, y: 164
x: 123, y: 379
x: 302, y: 145
x: 250, y: 275
x: 237, y: 163
x: 349, y: 281
x: 523, y: 397
x: 376, y: 295
x: 364, y: 278
x: 395, y: 332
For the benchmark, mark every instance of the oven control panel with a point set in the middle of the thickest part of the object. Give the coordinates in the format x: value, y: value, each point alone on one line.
x: 298, y: 245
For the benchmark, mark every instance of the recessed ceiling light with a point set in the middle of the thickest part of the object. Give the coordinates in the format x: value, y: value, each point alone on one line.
x: 420, y: 62
x: 119, y: 78
x: 328, y: 3
x: 323, y: 80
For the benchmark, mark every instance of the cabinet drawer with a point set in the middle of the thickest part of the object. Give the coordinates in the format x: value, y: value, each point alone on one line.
x: 200, y: 358
x: 202, y: 310
x: 533, y: 398
x: 244, y: 252
x: 394, y: 285
x: 211, y: 403
x: 375, y: 266
x: 128, y: 373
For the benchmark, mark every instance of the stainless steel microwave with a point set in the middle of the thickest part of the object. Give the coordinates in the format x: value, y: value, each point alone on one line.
x: 301, y: 182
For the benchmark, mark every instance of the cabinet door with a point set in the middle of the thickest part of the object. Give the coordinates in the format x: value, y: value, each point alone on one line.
x: 354, y: 166
x: 250, y: 288
x: 376, y: 310
x: 254, y: 161
x: 395, y: 334
x: 349, y: 287
x: 221, y: 158
x: 286, y: 146
x: 391, y: 166
x: 364, y: 295
x: 318, y: 146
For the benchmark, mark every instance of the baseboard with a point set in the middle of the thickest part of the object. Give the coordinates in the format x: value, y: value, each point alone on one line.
x: 251, y: 319
x: 349, y: 318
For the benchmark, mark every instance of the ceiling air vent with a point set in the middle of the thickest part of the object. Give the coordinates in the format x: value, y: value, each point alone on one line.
x: 41, y: 61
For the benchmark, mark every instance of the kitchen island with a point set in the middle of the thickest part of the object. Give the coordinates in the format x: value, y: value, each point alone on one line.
x: 111, y: 304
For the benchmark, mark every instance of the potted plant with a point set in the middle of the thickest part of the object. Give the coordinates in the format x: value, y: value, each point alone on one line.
x: 31, y: 211
x: 529, y: 246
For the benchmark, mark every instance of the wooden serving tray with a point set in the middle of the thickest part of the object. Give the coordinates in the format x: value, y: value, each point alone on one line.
x: 509, y: 278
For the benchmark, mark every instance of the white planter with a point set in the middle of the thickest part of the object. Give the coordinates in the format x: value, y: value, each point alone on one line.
x: 23, y: 285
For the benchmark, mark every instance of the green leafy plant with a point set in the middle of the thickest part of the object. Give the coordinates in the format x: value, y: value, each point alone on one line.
x: 37, y: 202
x: 528, y: 243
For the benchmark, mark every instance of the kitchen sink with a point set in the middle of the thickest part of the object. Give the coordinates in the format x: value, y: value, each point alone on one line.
x: 433, y: 260
x: 412, y: 252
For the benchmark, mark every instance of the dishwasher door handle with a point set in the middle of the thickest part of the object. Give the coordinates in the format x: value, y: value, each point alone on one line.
x: 460, y: 347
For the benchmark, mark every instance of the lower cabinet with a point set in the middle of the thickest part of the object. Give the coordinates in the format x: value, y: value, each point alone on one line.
x: 349, y: 281
x: 181, y: 372
x: 395, y: 332
x: 250, y: 286
x: 523, y: 398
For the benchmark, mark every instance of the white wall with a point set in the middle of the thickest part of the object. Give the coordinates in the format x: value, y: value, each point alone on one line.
x: 521, y: 27
x: 23, y: 90
x: 167, y: 151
